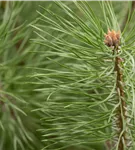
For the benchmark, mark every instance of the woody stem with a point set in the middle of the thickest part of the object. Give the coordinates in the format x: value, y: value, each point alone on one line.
x: 121, y: 111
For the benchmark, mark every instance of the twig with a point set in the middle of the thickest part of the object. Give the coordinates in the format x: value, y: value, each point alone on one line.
x: 121, y: 109
x: 112, y: 39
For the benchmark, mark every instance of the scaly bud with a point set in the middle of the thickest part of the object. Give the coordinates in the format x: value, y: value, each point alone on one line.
x: 112, y: 38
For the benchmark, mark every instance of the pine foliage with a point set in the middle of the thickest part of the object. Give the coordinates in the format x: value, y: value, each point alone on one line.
x: 58, y: 86
x: 80, y: 82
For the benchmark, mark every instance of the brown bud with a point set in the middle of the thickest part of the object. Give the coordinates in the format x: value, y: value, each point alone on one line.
x: 112, y: 38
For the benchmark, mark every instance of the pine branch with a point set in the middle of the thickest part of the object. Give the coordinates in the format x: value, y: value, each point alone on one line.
x: 112, y: 39
x: 82, y: 100
x: 122, y: 107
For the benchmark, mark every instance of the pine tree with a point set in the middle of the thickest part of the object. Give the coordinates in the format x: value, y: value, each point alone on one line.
x: 89, y: 84
x: 70, y: 85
